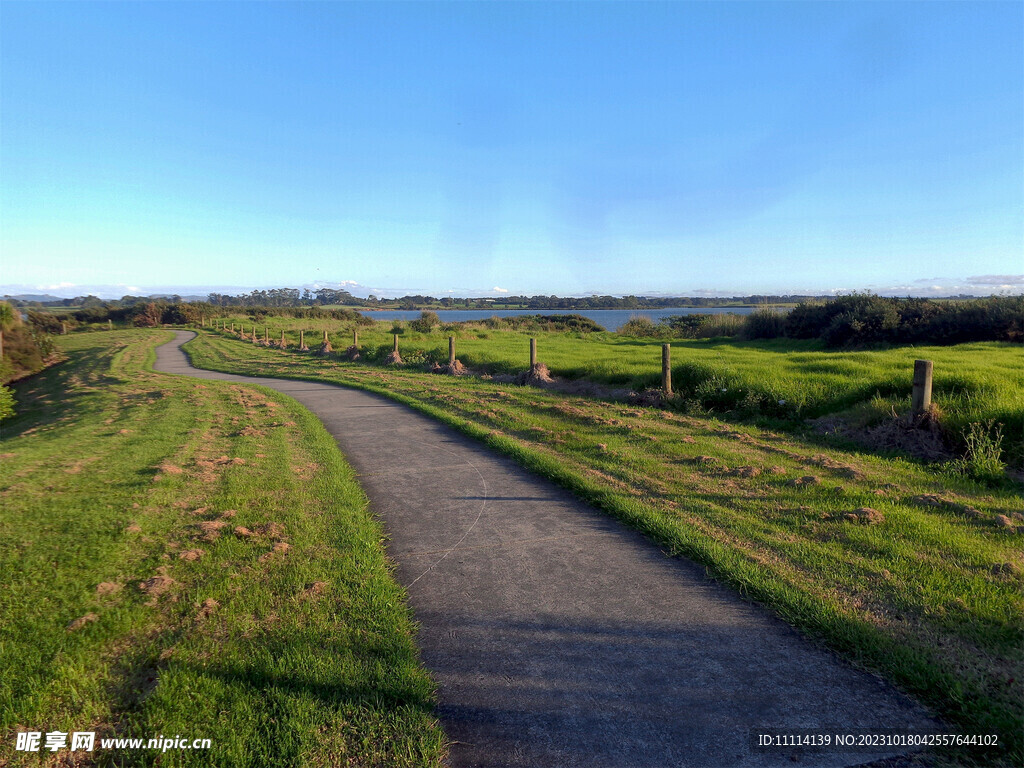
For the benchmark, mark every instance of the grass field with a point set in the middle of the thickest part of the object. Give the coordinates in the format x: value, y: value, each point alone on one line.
x: 911, y: 573
x: 185, y: 558
x: 775, y: 383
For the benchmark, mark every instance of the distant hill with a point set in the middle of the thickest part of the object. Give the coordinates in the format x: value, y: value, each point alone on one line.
x: 40, y: 297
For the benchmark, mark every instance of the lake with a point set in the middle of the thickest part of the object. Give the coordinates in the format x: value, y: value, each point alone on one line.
x: 611, y: 319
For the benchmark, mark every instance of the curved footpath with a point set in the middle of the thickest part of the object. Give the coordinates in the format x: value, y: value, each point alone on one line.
x: 560, y: 638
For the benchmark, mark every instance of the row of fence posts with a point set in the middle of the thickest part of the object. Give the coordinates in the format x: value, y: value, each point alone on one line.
x: 921, y: 396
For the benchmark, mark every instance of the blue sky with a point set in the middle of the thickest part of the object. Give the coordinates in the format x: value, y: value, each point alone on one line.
x: 556, y: 148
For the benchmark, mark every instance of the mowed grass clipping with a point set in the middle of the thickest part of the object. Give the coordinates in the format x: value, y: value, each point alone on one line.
x: 911, y: 573
x: 779, y: 381
x: 195, y: 558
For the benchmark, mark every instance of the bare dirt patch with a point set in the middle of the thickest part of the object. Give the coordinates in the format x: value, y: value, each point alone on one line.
x: 107, y: 588
x: 191, y: 555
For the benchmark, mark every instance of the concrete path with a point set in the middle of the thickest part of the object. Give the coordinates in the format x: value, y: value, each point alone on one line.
x: 560, y: 638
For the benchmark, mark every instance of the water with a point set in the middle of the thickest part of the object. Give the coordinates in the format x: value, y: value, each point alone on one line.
x: 611, y: 319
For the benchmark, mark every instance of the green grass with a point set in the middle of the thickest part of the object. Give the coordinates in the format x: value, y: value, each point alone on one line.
x: 931, y: 597
x: 775, y: 382
x: 304, y: 657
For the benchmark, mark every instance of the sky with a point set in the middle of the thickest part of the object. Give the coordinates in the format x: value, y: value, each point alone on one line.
x: 479, y: 148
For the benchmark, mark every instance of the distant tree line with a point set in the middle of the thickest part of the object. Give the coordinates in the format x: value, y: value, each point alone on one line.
x: 844, y: 321
x: 294, y: 297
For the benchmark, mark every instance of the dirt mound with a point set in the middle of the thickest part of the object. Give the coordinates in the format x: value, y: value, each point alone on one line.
x: 834, y: 466
x: 865, y: 516
x: 209, y: 606
x: 452, y: 369
x: 279, y: 548
x: 191, y: 554
x: 393, y: 359
x: 156, y: 585
x: 934, y: 500
x: 316, y: 589
x: 107, y: 588
x: 806, y: 480
x: 271, y: 530
x: 744, y: 472
x: 536, y: 376
x: 211, y: 529
x: 351, y: 353
x: 921, y: 438
x: 324, y: 349
x: 651, y: 396
x: 80, y: 622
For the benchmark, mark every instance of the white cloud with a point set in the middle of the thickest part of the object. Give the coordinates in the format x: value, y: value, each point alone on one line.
x: 496, y: 289
x: 1000, y: 281
x: 55, y: 286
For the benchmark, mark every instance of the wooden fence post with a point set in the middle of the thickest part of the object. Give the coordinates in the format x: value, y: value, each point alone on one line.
x: 302, y: 339
x: 355, y: 338
x: 666, y: 368
x: 282, y: 339
x: 63, y: 328
x: 110, y: 324
x: 922, y: 392
x: 533, y: 354
x: 266, y: 334
x: 1, y: 345
x: 451, y: 351
x: 396, y: 342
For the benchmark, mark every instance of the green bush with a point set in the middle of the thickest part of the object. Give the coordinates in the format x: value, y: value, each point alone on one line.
x: 861, y: 319
x: 6, y: 403
x: 640, y: 326
x: 764, y: 323
x: 704, y: 325
x: 426, y: 322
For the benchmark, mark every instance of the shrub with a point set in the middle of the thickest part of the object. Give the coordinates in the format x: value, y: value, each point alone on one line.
x: 8, y: 317
x: 426, y: 322
x: 149, y: 316
x: 44, y: 322
x: 704, y: 325
x: 866, y: 319
x: 640, y: 326
x: 764, y: 323
x: 6, y: 403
